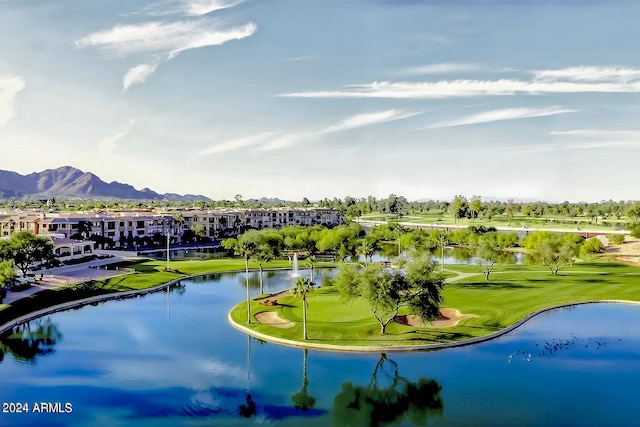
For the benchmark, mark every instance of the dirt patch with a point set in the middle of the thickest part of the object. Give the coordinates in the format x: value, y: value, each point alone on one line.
x: 271, y: 318
x: 449, y: 317
x: 627, y: 252
x: 272, y: 300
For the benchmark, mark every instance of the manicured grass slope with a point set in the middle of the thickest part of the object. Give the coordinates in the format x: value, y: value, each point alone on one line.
x: 148, y: 273
x: 512, y: 293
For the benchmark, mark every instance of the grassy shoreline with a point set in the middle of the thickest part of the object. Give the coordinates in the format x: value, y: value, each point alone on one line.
x: 148, y: 274
x: 512, y: 294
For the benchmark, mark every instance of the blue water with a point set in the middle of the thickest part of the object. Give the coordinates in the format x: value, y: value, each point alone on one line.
x: 171, y: 359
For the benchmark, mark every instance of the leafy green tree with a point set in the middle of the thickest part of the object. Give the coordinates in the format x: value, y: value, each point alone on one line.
x: 459, y: 207
x: 508, y: 240
x: 27, y: 249
x: 488, y: 253
x: 591, y: 246
x: 302, y: 286
x: 555, y: 253
x: 474, y: 207
x: 509, y: 210
x: 7, y: 274
x: 615, y: 239
x: 635, y: 231
x: 418, y: 289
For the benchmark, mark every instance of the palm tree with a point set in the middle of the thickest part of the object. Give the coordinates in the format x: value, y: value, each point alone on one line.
x: 301, y: 287
x: 311, y: 262
x: 367, y: 250
x: 262, y: 256
x: 442, y: 241
x: 246, y: 249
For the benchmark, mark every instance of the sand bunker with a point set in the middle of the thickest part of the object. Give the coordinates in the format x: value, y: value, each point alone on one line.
x: 449, y: 317
x: 271, y: 318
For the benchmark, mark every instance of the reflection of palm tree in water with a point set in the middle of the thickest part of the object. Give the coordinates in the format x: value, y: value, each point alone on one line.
x: 248, y: 408
x: 26, y: 343
x: 376, y: 405
x: 302, y: 400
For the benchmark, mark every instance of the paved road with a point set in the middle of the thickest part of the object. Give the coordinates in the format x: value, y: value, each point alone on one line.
x: 66, y: 275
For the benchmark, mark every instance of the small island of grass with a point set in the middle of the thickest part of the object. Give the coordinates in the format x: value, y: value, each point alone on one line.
x: 487, y: 308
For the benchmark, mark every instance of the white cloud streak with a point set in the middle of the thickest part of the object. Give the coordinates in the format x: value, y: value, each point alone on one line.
x: 367, y: 119
x: 237, y: 144
x: 447, y: 67
x: 10, y: 86
x: 465, y: 88
x: 137, y: 75
x: 596, y: 132
x: 499, y: 115
x: 270, y: 141
x: 189, y: 7
x: 590, y: 74
x: 579, y: 79
x: 109, y: 144
x: 171, y: 37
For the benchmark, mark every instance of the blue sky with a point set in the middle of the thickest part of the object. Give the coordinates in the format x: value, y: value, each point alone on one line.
x: 326, y: 98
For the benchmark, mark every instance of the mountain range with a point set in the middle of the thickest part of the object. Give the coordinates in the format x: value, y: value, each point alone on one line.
x: 67, y: 181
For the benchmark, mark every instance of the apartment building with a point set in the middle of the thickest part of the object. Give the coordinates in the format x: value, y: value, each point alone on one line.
x: 125, y: 229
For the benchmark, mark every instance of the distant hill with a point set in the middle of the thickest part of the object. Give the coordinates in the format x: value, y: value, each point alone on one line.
x: 67, y: 181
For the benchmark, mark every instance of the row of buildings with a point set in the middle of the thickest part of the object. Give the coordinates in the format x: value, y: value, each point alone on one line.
x: 70, y: 231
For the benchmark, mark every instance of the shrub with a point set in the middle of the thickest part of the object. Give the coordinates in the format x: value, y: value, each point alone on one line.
x: 615, y: 239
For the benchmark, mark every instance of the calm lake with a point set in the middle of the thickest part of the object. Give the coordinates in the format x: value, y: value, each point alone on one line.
x: 171, y: 359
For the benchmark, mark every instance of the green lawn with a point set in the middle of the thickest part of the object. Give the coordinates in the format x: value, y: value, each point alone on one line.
x: 512, y: 293
x: 148, y: 273
x: 549, y: 221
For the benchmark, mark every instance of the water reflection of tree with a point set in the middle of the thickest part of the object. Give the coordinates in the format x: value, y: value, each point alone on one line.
x: 376, y: 405
x: 30, y: 340
x: 302, y: 400
x: 248, y: 408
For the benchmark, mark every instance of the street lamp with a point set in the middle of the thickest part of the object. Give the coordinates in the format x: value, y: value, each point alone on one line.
x: 168, y: 223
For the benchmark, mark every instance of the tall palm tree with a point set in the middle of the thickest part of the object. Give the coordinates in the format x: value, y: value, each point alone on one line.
x: 246, y: 249
x: 302, y: 286
x: 442, y: 241
x: 367, y: 250
x: 261, y: 257
x: 311, y: 262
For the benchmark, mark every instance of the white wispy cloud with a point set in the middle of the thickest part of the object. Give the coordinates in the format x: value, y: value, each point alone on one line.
x: 109, y: 144
x: 498, y: 115
x: 465, y: 88
x: 239, y: 143
x: 270, y: 141
x: 596, y: 132
x: 367, y: 119
x: 443, y: 68
x: 168, y: 37
x: 353, y: 122
x: 300, y: 58
x: 10, y: 86
x: 590, y: 74
x: 137, y: 74
x: 189, y: 7
x: 289, y: 140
